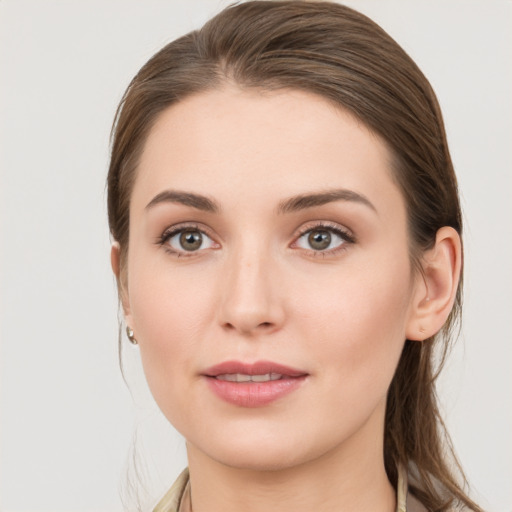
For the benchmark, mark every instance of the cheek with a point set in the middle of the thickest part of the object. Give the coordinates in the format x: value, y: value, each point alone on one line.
x: 357, y: 321
x: 170, y: 312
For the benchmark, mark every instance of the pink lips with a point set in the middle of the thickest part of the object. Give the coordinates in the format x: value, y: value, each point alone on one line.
x: 252, y: 385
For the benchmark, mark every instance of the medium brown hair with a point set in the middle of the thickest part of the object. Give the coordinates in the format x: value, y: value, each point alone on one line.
x: 339, y: 54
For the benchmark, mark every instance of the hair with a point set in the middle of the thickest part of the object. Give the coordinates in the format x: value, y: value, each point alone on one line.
x: 341, y: 55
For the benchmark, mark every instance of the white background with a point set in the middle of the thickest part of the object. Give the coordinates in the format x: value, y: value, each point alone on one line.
x: 67, y: 419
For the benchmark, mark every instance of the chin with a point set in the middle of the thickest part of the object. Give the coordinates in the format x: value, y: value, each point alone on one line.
x: 259, y: 459
x: 261, y: 453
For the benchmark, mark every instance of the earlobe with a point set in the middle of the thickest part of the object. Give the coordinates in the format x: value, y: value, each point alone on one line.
x: 437, y: 287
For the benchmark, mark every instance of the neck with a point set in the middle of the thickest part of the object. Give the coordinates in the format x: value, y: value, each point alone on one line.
x: 349, y: 478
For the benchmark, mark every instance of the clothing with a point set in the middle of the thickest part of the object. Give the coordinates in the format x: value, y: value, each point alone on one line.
x: 177, y: 498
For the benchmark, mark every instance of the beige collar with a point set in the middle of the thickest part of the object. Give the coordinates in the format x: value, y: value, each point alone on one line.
x: 177, y: 498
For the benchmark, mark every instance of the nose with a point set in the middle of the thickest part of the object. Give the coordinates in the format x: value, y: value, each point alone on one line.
x: 252, y: 301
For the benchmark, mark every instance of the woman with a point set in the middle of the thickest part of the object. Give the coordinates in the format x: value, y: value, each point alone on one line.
x: 288, y: 256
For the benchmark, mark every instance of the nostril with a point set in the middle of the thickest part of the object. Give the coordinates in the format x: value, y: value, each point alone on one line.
x: 247, y: 328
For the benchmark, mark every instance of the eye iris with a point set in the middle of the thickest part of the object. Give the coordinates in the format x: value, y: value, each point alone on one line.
x: 191, y: 240
x: 319, y: 240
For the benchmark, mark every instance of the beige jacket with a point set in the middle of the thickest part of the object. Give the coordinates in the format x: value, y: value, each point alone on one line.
x: 177, y: 498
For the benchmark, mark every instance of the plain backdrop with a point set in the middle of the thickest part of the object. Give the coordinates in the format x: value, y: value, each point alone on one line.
x: 71, y: 429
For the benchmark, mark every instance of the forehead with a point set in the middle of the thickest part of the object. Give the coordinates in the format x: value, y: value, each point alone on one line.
x: 251, y: 143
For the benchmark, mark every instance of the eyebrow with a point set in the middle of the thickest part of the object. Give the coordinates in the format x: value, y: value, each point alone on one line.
x: 197, y: 201
x: 293, y: 204
x: 304, y: 201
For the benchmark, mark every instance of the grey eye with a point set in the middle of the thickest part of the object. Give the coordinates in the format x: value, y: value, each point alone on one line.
x: 322, y: 239
x: 190, y: 240
x: 319, y: 239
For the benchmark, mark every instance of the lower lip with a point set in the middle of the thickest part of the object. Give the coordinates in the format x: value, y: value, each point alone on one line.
x: 254, y: 394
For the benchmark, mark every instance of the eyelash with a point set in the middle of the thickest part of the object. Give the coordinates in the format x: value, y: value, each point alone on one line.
x: 345, y: 235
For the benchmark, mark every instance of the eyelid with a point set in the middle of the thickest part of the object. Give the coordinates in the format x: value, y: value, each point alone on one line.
x: 328, y: 226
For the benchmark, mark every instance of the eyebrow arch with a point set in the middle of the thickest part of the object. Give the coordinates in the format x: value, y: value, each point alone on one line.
x: 186, y: 198
x: 303, y: 201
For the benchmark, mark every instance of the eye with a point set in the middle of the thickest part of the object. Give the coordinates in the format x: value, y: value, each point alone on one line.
x: 187, y: 240
x: 323, y: 239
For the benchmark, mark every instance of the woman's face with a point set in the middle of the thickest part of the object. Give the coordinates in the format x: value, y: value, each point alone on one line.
x: 268, y: 277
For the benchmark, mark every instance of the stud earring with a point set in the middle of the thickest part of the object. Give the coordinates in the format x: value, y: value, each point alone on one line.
x: 131, y: 336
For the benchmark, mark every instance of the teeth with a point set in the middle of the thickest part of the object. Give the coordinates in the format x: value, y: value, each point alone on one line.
x: 266, y: 377
x: 241, y: 377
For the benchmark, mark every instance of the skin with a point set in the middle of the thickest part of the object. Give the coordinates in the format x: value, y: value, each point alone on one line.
x: 257, y: 290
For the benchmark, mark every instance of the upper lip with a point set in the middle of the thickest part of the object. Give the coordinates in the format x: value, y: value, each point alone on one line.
x: 256, y: 368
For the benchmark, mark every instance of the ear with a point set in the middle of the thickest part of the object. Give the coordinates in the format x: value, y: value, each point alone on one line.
x: 436, y: 287
x: 115, y: 262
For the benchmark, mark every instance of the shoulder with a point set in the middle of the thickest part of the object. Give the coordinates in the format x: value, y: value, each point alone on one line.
x: 172, y: 498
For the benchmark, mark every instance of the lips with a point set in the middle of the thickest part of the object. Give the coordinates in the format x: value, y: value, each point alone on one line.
x: 252, y: 385
x: 257, y: 368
